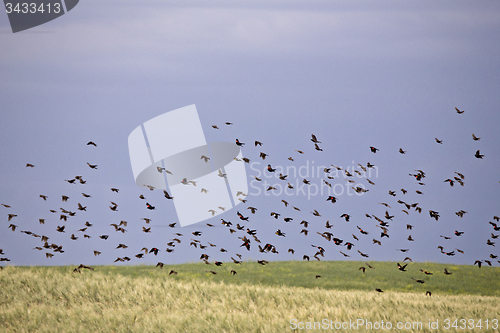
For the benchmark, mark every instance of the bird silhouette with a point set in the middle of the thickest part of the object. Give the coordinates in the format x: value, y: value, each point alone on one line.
x: 346, y: 217
x: 402, y: 268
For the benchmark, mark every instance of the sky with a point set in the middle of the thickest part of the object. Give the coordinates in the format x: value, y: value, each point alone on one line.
x: 386, y: 74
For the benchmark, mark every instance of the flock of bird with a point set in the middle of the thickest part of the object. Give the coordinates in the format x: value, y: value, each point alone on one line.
x: 250, y: 238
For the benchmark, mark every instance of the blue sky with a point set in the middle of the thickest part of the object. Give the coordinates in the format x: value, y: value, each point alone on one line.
x: 387, y: 74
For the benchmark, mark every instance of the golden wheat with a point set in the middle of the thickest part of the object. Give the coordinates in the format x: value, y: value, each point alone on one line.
x: 51, y: 300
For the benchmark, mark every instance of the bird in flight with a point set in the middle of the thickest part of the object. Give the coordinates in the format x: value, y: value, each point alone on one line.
x: 346, y: 217
x: 402, y: 268
x: 313, y: 139
x: 280, y: 233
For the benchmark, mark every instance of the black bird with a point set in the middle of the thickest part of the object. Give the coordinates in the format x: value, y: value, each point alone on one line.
x: 332, y: 199
x: 402, y: 268
x: 270, y: 168
x: 275, y: 215
x: 251, y: 232
x: 238, y: 143
x: 373, y: 149
x: 246, y: 244
x: 242, y: 217
x: 362, y: 231
x: 434, y: 214
x: 478, y: 155
x: 149, y: 206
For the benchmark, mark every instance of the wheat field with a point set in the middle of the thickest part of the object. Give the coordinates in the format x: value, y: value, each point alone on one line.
x: 53, y: 299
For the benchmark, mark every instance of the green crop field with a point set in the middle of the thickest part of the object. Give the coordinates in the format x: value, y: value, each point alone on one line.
x: 277, y: 297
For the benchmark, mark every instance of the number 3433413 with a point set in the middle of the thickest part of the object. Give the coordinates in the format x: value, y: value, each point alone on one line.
x: 32, y: 8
